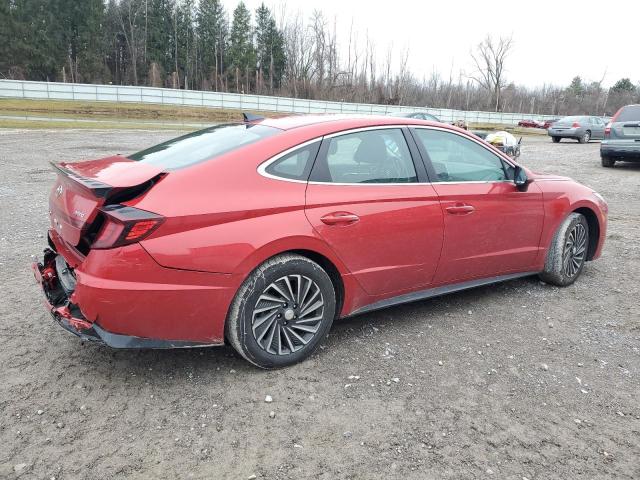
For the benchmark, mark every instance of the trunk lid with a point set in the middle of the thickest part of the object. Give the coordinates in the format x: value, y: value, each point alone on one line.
x: 630, y: 130
x: 82, y: 188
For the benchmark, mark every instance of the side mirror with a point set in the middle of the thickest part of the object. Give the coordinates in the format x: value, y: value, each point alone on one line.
x: 520, y: 179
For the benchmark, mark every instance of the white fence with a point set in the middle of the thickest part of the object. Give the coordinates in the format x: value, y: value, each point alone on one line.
x: 168, y: 96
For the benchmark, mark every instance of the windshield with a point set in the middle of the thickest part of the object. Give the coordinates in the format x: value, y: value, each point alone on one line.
x: 202, y: 145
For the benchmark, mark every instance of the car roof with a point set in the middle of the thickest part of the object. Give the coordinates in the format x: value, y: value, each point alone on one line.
x: 339, y: 122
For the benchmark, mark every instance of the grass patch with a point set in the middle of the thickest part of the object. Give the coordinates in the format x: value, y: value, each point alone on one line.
x: 140, y: 111
x: 79, y: 110
x: 61, y: 125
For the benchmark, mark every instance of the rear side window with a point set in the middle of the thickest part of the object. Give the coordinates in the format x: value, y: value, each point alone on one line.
x: 295, y: 165
x: 202, y: 145
x: 371, y: 156
x: 458, y: 159
x: 630, y: 113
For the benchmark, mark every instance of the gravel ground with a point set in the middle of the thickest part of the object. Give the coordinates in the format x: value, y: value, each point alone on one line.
x: 514, y: 381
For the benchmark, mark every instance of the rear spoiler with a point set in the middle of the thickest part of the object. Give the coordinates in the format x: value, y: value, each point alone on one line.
x: 99, y: 189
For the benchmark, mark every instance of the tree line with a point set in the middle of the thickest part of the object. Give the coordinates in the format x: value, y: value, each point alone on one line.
x: 198, y: 45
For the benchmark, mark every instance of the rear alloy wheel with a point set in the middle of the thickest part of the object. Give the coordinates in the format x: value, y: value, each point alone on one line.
x: 568, y: 251
x: 585, y: 138
x: 281, y: 312
x: 555, y: 139
x: 607, y: 161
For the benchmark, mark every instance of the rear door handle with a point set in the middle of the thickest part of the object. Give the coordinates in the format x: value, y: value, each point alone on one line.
x: 460, y: 209
x: 339, y: 218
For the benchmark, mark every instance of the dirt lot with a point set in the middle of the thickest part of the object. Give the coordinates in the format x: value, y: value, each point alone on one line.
x: 520, y: 380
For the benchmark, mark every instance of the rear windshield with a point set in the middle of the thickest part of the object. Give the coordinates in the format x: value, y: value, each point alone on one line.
x: 202, y: 145
x: 571, y: 119
x: 630, y: 113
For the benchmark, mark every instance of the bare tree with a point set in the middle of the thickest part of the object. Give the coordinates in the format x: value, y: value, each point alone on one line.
x: 489, y: 58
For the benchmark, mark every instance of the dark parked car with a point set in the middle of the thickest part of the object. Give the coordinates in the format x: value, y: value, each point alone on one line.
x: 530, y: 123
x: 580, y: 128
x: 622, y: 137
x: 418, y: 116
x: 548, y: 123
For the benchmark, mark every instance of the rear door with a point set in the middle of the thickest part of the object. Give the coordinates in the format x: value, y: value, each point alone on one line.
x: 491, y: 228
x: 368, y: 198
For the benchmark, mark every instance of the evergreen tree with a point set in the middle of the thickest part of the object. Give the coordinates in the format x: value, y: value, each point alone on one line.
x: 116, y: 53
x: 270, y: 54
x: 183, y: 41
x: 242, y: 55
x: 8, y: 38
x: 624, y: 85
x: 212, y: 32
x: 39, y: 48
x: 80, y: 24
x: 159, y: 29
x: 576, y: 88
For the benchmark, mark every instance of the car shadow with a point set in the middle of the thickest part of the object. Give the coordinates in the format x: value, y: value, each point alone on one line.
x: 631, y: 166
x: 223, y: 361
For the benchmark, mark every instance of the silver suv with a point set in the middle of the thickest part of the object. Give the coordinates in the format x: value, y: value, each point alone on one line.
x: 622, y: 137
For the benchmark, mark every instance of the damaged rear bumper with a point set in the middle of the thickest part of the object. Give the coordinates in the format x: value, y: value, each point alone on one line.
x: 69, y: 316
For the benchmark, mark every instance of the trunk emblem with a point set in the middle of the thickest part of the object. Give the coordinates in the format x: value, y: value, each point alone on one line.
x: 59, y: 191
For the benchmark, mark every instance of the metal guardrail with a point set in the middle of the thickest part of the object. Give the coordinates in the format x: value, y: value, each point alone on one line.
x: 167, y: 96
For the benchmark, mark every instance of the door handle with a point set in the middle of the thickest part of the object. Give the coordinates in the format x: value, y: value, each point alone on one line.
x: 460, y: 209
x: 339, y: 218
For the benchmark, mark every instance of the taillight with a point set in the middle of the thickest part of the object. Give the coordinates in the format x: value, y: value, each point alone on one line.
x: 575, y: 125
x: 607, y: 130
x: 124, y: 225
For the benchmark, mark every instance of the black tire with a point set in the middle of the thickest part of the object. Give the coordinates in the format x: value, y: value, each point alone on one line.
x: 557, y: 270
x: 585, y: 138
x: 607, y: 161
x: 555, y: 139
x: 283, y: 271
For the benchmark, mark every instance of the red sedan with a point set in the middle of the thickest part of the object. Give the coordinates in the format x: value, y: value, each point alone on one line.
x: 262, y: 233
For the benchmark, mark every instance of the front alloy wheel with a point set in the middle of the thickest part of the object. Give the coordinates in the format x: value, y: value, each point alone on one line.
x: 575, y: 249
x: 568, y: 251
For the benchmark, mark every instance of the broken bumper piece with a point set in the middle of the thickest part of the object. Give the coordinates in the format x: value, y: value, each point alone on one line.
x: 69, y: 316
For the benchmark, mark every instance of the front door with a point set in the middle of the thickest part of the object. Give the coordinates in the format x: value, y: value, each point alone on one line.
x: 491, y: 228
x: 366, y: 198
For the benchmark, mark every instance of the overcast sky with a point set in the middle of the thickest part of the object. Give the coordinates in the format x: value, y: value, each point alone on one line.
x: 553, y: 40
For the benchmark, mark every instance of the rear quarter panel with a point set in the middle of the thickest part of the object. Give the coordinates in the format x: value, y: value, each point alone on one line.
x: 229, y: 219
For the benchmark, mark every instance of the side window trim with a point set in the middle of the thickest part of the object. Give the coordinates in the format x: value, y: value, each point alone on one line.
x: 418, y: 163
x: 429, y: 166
x: 319, y: 177
x: 262, y: 168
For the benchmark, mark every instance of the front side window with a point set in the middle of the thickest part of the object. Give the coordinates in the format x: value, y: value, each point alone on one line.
x: 295, y: 165
x: 458, y: 159
x: 202, y: 145
x: 370, y: 156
